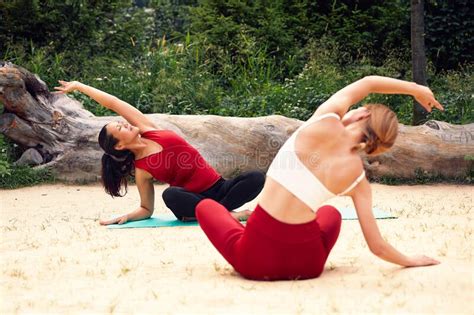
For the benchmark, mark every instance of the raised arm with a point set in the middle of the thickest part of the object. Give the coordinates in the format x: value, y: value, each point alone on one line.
x: 144, y: 183
x: 362, y: 198
x: 127, y: 111
x: 343, y: 99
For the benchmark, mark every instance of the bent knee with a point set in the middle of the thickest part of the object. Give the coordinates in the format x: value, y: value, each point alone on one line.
x: 329, y: 211
x: 204, y: 206
x: 171, y: 193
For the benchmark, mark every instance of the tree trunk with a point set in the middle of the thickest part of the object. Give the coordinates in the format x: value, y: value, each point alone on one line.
x: 65, y: 135
x: 418, y: 55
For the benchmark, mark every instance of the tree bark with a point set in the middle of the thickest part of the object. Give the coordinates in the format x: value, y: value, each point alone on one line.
x: 65, y: 134
x: 418, y: 54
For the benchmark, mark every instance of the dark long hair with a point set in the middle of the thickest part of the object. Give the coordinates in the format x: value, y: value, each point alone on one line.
x: 117, y: 165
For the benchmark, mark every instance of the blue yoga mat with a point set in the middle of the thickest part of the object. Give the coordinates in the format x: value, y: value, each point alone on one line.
x: 163, y: 220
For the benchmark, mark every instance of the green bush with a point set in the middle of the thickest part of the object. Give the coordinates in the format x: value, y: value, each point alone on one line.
x: 455, y: 91
x: 25, y: 176
x: 449, y: 33
x: 12, y: 176
x: 4, y: 163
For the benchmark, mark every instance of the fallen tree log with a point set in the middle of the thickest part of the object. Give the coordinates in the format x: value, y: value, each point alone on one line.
x: 65, y: 136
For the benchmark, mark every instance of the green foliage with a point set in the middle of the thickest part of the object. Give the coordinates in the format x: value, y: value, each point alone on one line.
x: 25, y: 176
x: 171, y: 17
x: 364, y: 29
x: 240, y: 30
x: 4, y: 164
x: 12, y: 176
x: 422, y: 180
x: 450, y: 33
x: 423, y: 177
x: 455, y: 91
x: 60, y: 25
x: 4, y: 168
x: 283, y: 29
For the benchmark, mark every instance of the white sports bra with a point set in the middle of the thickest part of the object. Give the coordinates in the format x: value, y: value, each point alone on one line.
x: 291, y: 173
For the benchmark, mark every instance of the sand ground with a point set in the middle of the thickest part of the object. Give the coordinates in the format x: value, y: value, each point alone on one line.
x: 56, y: 258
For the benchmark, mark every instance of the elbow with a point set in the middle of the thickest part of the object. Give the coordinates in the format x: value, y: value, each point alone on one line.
x: 370, y: 78
x: 365, y: 86
x: 149, y: 211
x: 369, y: 81
x: 377, y: 248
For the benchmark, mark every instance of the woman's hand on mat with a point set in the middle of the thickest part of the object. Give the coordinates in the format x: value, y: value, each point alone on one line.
x: 421, y: 260
x: 66, y: 87
x: 120, y: 220
x: 425, y: 97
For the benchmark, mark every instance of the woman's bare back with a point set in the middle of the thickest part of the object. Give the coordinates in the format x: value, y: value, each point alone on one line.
x: 321, y: 148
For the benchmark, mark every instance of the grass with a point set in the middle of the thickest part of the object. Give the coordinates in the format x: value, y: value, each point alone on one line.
x: 25, y: 176
x: 423, y: 178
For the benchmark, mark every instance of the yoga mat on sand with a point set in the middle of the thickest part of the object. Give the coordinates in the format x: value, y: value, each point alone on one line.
x: 162, y: 220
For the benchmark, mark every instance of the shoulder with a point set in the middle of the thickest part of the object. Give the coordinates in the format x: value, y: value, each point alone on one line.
x: 322, y: 128
x: 324, y: 114
x: 148, y: 129
x: 159, y: 135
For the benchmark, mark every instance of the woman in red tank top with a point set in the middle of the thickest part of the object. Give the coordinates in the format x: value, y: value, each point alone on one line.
x: 138, y: 146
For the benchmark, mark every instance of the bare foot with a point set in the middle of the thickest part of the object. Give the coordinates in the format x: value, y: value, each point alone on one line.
x: 241, y: 215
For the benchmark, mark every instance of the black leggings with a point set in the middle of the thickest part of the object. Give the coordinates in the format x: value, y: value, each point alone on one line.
x: 231, y: 193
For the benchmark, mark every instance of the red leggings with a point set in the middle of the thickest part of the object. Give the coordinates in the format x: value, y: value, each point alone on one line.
x: 268, y: 249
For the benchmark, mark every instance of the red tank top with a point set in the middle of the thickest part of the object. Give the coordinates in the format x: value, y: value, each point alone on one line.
x: 178, y: 164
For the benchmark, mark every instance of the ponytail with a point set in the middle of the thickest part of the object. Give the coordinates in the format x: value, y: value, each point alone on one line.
x: 381, y: 130
x: 115, y: 174
x: 371, y: 141
x: 117, y: 165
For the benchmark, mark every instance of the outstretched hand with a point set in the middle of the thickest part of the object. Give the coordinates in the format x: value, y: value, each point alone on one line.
x: 421, y: 260
x: 424, y: 96
x: 66, y: 87
x: 119, y: 220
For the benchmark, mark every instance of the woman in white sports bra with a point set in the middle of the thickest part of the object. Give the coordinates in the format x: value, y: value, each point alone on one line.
x: 290, y: 233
